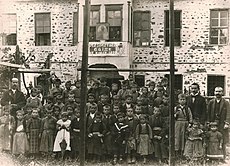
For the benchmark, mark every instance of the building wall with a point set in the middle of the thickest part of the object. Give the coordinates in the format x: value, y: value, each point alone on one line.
x: 195, y: 58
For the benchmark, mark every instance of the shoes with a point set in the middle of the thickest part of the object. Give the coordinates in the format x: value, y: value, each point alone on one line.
x: 144, y: 162
x: 133, y: 161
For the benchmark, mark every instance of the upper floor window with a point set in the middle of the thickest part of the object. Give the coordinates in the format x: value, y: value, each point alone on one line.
x: 42, y: 29
x: 141, y: 28
x: 75, y: 28
x: 94, y: 19
x: 9, y: 34
x: 114, y: 18
x: 177, y: 32
x: 219, y: 27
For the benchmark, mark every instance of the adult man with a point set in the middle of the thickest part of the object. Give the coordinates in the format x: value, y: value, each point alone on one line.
x: 14, y: 98
x: 197, y: 104
x: 218, y: 110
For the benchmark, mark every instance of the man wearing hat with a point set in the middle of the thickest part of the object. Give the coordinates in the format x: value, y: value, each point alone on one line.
x: 13, y: 97
x: 218, y: 111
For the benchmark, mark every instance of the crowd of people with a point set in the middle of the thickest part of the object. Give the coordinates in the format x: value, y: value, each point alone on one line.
x: 122, y: 124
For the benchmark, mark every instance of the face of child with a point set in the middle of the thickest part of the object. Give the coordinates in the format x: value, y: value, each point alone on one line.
x: 151, y: 87
x: 64, y: 118
x: 134, y: 89
x: 49, y: 114
x: 139, y: 101
x: 104, y: 99
x: 34, y: 93
x: 29, y: 111
x: 6, y: 112
x: 77, y: 113
x: 57, y: 84
x: 106, y: 111
x: 165, y: 100
x: 195, y: 126
x: 124, y: 87
x: 128, y: 100
x: 92, y: 110
x: 71, y: 98
x: 142, y: 120
x: 70, y: 110
x: 182, y: 101
x: 91, y: 99
x: 138, y: 110
x: 156, y: 111
x: 19, y: 116
x: 114, y: 87
x: 129, y: 112
x: 120, y: 119
x: 116, y: 109
x: 214, y: 128
x: 35, y: 113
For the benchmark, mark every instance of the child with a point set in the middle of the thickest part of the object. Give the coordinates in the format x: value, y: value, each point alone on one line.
x: 56, y: 112
x: 91, y: 114
x: 128, y: 103
x: 123, y: 92
x: 75, y: 134
x: 183, y: 119
x: 20, y: 142
x: 34, y: 101
x: 134, y: 93
x: 138, y: 111
x: 6, y: 126
x: 108, y: 121
x: 214, y: 143
x: 114, y: 90
x: 104, y: 100
x: 63, y: 135
x: 116, y: 101
x: 119, y: 132
x: 194, y: 142
x: 33, y: 133
x: 144, y: 136
x: 96, y: 132
x: 71, y: 101
x: 156, y: 124
x: 66, y: 92
x: 48, y: 126
x: 132, y: 121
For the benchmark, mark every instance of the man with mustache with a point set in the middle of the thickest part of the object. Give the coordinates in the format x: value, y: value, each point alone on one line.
x: 218, y: 111
x: 13, y: 97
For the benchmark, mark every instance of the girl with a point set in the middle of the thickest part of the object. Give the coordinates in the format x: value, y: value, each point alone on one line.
x: 34, y: 101
x: 20, y: 142
x: 48, y: 126
x: 144, y: 136
x: 183, y: 119
x: 6, y: 126
x: 214, y: 143
x: 96, y: 132
x: 63, y: 135
x: 33, y: 133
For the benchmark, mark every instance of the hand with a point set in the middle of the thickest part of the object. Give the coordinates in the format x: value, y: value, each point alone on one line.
x: 220, y: 147
x: 100, y: 135
x: 40, y: 135
x: 189, y: 125
x: 90, y: 135
x: 28, y: 137
x: 123, y: 142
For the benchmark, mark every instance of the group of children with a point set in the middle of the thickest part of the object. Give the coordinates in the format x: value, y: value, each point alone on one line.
x: 129, y: 123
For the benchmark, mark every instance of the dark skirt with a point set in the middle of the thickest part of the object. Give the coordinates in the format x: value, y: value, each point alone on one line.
x: 47, y: 141
x: 75, y: 141
x: 95, y: 145
x: 145, y: 147
x: 34, y: 141
x: 213, y: 151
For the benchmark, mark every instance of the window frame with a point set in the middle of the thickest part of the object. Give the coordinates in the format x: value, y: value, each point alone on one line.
x: 211, y: 91
x: 114, y: 7
x: 92, y: 9
x: 167, y: 29
x: 219, y: 27
x: 149, y: 28
x: 37, y: 35
x: 5, y: 36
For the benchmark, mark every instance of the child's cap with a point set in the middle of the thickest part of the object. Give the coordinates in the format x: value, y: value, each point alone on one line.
x: 213, y: 124
x: 143, y: 116
x: 64, y: 114
x: 120, y: 114
x: 33, y: 90
x: 68, y: 82
x: 116, y: 97
x: 20, y: 112
x: 91, y: 95
x: 48, y: 110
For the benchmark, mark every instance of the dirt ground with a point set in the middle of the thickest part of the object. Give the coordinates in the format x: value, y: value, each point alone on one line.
x: 7, y: 159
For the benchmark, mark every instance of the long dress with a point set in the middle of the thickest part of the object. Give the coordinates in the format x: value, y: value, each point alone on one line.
x: 193, y: 146
x: 144, y: 135
x: 6, y: 124
x: 214, y: 139
x: 62, y: 134
x: 47, y: 138
x: 33, y: 129
x: 20, y: 142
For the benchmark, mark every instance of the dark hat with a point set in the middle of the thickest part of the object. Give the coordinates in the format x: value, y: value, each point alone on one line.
x: 120, y: 114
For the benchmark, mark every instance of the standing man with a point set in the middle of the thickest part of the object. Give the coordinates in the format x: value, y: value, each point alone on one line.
x: 14, y: 98
x: 197, y: 104
x: 218, y: 110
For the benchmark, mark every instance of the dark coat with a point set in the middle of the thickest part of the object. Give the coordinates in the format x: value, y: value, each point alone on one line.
x: 198, y: 107
x: 18, y: 98
x: 222, y: 116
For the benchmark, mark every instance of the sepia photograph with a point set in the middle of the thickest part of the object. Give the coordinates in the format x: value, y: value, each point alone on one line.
x: 114, y: 82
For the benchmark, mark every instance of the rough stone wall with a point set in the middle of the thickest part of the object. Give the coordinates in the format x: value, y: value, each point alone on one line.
x: 195, y: 58
x: 64, y: 53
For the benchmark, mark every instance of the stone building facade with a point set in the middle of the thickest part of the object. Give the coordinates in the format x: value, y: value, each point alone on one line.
x: 139, y: 37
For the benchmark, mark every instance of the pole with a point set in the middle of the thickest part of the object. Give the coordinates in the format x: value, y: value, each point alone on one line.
x: 171, y: 85
x: 84, y: 82
x: 17, y: 61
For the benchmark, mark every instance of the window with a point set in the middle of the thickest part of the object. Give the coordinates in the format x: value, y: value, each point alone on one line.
x: 178, y: 82
x: 140, y: 80
x: 42, y: 29
x: 219, y: 27
x: 94, y: 19
x: 9, y: 36
x: 75, y: 28
x: 114, y: 18
x: 141, y: 28
x: 214, y: 81
x: 177, y: 20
